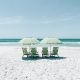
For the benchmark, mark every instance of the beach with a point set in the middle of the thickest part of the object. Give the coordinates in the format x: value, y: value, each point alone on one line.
x: 13, y: 67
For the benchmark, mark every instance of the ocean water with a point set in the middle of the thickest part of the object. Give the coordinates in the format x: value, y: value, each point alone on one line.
x: 65, y: 42
x: 70, y: 42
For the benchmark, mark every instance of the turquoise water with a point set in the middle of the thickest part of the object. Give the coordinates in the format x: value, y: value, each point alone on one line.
x: 67, y: 42
x: 71, y: 42
x: 17, y: 40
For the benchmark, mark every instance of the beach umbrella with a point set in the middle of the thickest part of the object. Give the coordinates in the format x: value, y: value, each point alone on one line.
x: 50, y: 41
x: 29, y: 41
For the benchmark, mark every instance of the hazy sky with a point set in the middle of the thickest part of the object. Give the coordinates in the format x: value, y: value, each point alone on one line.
x: 39, y: 18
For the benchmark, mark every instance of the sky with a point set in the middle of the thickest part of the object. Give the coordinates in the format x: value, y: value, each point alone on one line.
x: 39, y: 18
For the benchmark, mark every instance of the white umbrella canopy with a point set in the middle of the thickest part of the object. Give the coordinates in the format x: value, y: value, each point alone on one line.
x: 50, y: 41
x: 29, y: 41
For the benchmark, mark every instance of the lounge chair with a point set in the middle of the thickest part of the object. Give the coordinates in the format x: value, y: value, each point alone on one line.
x: 54, y: 52
x: 34, y: 52
x: 25, y: 52
x: 44, y: 52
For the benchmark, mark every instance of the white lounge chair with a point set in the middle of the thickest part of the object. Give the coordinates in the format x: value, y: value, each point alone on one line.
x: 25, y: 52
x: 44, y: 52
x: 34, y: 52
x: 54, y: 51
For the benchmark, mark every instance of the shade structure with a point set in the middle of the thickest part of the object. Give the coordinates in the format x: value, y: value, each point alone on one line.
x: 50, y: 41
x: 29, y: 41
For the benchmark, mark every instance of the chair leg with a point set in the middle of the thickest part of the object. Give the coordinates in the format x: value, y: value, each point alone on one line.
x: 57, y: 55
x: 50, y: 55
x: 23, y: 55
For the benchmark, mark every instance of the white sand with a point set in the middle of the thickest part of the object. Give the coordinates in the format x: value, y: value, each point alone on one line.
x: 12, y: 67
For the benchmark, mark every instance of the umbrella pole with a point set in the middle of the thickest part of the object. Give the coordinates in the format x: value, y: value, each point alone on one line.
x: 50, y: 48
x: 29, y: 49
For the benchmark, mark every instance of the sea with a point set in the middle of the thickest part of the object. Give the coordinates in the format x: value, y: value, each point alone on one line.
x: 65, y: 42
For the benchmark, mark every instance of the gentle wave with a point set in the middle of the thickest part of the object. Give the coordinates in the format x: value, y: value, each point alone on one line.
x: 63, y: 44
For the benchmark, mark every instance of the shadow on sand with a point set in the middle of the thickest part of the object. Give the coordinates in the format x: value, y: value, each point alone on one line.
x: 39, y: 58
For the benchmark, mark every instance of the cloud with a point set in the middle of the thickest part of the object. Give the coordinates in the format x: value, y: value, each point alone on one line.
x: 11, y: 20
x: 60, y: 19
x: 49, y: 21
x: 24, y: 20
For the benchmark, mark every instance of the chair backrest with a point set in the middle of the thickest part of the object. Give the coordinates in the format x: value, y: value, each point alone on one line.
x: 33, y: 51
x: 45, y: 51
x: 55, y: 50
x: 24, y: 51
